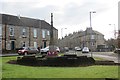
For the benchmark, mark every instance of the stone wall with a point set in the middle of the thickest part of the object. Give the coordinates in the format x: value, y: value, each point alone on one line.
x: 29, y: 38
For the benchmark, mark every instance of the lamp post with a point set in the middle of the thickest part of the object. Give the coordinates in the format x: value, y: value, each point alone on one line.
x: 91, y: 30
x: 114, y: 30
x: 90, y: 17
x: 62, y: 32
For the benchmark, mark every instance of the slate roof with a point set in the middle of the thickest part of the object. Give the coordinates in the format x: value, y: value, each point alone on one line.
x: 24, y: 21
x: 45, y: 25
x: 82, y: 33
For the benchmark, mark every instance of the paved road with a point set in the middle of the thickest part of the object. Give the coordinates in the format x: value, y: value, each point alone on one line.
x: 104, y: 55
x: 10, y: 54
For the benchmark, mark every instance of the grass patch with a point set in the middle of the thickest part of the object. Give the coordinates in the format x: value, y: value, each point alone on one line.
x: 98, y: 58
x: 20, y: 71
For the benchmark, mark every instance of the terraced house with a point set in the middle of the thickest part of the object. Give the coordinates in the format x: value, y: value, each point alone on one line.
x: 90, y: 38
x: 17, y: 32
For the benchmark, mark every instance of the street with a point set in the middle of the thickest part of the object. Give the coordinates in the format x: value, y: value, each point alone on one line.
x: 103, y: 55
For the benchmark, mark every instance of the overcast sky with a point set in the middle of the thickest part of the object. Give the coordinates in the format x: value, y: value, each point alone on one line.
x: 70, y: 14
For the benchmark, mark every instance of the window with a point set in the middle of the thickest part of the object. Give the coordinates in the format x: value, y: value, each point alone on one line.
x: 48, y: 33
x: 35, y: 44
x: 24, y: 32
x: 92, y: 36
x: 35, y: 32
x: 11, y: 31
x: 43, y: 33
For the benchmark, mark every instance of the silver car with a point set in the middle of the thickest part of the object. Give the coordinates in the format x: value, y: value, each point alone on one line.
x: 85, y: 50
x: 27, y: 50
x: 46, y: 49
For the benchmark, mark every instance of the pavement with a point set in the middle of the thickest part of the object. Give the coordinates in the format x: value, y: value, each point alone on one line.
x: 7, y: 55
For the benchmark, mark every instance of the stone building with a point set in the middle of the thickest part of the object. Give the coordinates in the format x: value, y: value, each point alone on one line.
x: 88, y: 38
x: 16, y: 32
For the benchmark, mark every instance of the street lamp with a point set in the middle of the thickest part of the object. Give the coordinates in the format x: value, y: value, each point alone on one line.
x: 62, y: 32
x: 90, y: 17
x: 114, y: 30
x: 91, y: 30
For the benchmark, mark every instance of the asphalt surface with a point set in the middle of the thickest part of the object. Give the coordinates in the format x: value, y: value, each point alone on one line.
x: 103, y: 55
x: 10, y: 54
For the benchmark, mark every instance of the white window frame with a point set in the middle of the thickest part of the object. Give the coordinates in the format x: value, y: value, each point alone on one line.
x: 92, y: 36
x: 10, y: 31
x: 35, y: 32
x: 35, y: 44
x: 43, y: 33
x: 24, y: 32
x: 48, y: 32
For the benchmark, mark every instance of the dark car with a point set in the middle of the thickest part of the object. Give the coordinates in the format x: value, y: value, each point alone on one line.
x: 117, y: 50
x: 27, y: 50
x: 66, y: 49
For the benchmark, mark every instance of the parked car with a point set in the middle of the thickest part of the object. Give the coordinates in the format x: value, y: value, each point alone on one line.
x: 28, y: 50
x: 46, y: 49
x: 78, y: 49
x: 66, y: 48
x: 85, y: 50
x: 117, y: 50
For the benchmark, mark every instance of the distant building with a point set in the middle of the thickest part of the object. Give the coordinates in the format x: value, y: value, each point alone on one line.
x: 88, y: 38
x: 17, y: 32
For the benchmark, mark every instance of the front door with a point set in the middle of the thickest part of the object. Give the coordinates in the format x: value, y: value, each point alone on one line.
x: 44, y: 44
x: 12, y: 45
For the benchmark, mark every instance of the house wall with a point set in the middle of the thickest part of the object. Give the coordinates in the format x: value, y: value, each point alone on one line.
x: 29, y: 39
x: 82, y: 39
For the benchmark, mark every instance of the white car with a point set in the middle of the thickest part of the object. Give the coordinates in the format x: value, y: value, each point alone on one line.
x: 46, y: 49
x: 85, y: 50
x: 78, y: 49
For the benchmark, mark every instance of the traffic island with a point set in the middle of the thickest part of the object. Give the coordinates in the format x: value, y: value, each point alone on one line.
x: 60, y: 61
x: 66, y: 60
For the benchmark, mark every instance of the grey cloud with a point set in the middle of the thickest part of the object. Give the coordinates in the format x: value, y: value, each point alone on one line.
x: 28, y: 9
x: 76, y: 14
x: 72, y: 12
x: 43, y: 12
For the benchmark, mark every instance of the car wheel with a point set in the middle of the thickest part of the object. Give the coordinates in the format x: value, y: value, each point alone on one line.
x: 25, y: 53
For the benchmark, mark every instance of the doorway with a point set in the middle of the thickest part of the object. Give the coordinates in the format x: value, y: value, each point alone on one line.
x: 12, y: 45
x: 44, y: 44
